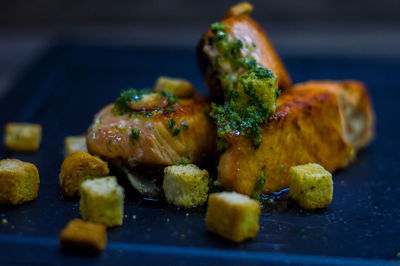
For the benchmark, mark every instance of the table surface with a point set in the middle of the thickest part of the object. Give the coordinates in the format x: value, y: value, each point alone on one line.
x: 64, y: 89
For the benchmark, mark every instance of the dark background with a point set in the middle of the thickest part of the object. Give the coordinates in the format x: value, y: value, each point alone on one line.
x: 326, y: 27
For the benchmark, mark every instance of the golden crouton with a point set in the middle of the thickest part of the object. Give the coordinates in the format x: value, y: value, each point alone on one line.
x: 19, y: 181
x: 81, y: 235
x: 78, y: 167
x: 311, y: 186
x: 102, y: 201
x: 178, y: 87
x: 74, y: 143
x: 233, y: 216
x: 185, y: 185
x: 23, y: 137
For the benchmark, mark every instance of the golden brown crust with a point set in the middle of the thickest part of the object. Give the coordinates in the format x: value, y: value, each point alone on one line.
x: 309, y: 126
x: 81, y: 235
x: 78, y: 167
x: 19, y: 181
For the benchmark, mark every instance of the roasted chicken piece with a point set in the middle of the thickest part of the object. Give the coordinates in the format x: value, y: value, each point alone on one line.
x: 254, y: 42
x: 151, y: 130
x: 324, y: 122
x: 159, y: 138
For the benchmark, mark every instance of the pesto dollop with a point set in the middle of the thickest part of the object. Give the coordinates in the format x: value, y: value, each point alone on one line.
x: 250, y: 90
x: 121, y: 105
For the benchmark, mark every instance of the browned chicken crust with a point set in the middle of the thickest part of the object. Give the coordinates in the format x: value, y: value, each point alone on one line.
x: 242, y: 27
x: 109, y: 135
x: 323, y: 122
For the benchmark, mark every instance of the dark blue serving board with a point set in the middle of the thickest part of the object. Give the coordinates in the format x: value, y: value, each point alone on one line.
x: 71, y: 82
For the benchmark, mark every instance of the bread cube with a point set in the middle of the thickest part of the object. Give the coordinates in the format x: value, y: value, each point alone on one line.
x: 23, y: 137
x: 311, y: 186
x: 78, y: 167
x: 233, y: 216
x: 185, y: 185
x: 102, y: 201
x: 81, y: 235
x: 178, y: 87
x: 19, y: 181
x: 74, y: 143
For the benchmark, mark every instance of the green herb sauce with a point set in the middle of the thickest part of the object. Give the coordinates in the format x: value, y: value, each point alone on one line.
x: 121, y: 104
x: 259, y: 186
x: 174, y: 129
x: 172, y: 99
x: 135, y: 134
x: 250, y: 90
x: 184, y: 160
x: 185, y: 125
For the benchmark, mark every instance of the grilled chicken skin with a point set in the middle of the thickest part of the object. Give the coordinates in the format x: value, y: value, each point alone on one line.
x: 157, y: 141
x: 240, y: 26
x: 323, y: 122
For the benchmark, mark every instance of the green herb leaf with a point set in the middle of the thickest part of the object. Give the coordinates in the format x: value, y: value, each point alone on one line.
x: 185, y: 125
x: 121, y: 104
x: 172, y: 99
x: 176, y: 131
x: 171, y: 123
x: 259, y: 186
x: 135, y: 134
x: 184, y: 160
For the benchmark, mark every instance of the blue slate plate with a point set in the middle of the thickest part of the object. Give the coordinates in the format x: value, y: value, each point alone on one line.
x: 71, y: 82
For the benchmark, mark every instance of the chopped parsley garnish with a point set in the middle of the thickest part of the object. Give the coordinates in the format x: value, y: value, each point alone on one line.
x: 250, y: 90
x: 168, y: 110
x: 185, y: 125
x: 121, y: 104
x: 171, y: 123
x: 135, y: 134
x: 172, y: 99
x: 184, y: 160
x: 259, y: 186
x: 174, y: 129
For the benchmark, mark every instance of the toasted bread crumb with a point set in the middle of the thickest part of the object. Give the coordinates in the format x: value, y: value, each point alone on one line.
x: 78, y: 167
